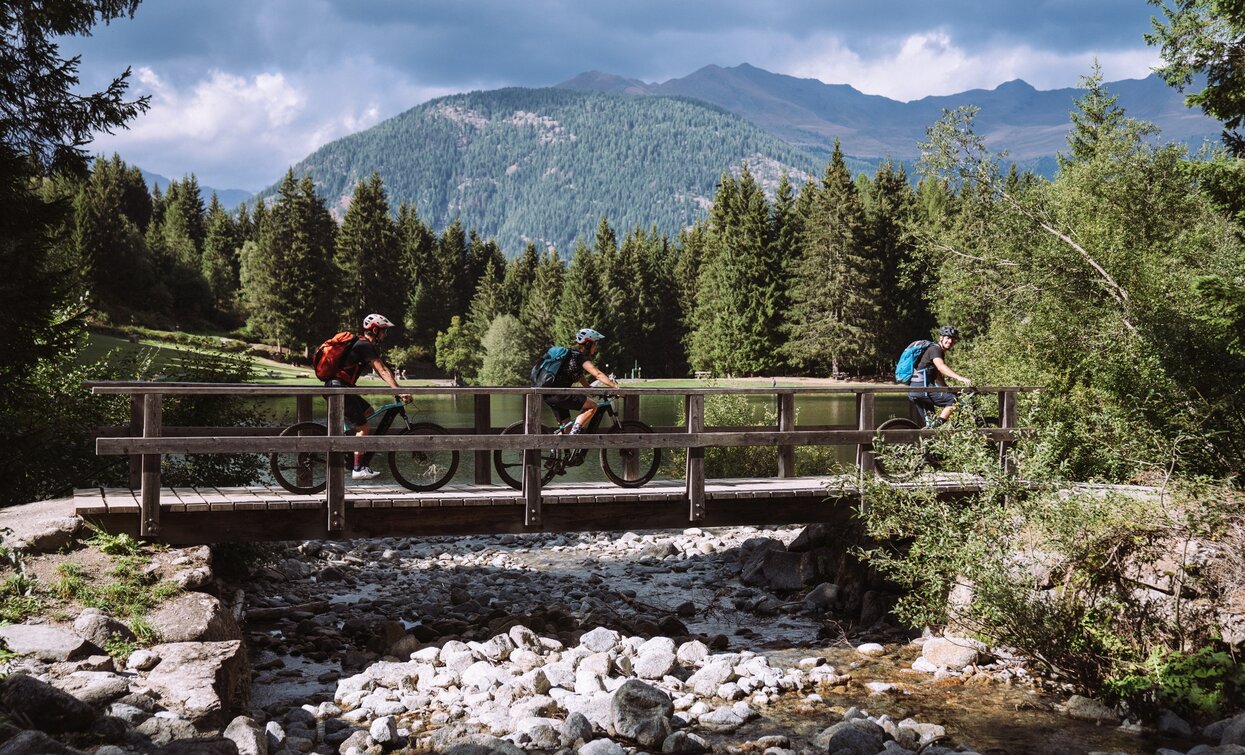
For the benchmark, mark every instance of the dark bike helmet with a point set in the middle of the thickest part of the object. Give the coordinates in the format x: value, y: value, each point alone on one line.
x: 948, y: 330
x: 588, y: 335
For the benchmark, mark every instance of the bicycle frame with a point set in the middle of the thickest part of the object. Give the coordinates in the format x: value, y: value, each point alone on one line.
x: 605, y: 407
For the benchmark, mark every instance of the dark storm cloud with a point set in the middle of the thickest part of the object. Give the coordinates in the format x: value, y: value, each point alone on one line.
x: 299, y: 73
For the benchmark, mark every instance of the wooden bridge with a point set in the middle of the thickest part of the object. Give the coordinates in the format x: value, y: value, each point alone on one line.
x: 181, y: 516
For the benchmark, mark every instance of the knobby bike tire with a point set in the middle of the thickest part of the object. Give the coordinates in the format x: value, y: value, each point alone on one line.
x: 909, y: 459
x: 421, y: 470
x: 645, y: 460
x: 313, y: 466
x: 508, y: 461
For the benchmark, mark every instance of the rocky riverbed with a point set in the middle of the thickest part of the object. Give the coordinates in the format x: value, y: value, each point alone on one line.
x: 722, y: 640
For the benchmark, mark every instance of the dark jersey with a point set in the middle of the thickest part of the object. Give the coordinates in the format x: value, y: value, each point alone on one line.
x: 358, y: 361
x: 573, y: 371
x: 925, y: 365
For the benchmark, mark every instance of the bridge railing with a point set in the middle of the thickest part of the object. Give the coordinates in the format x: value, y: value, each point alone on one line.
x: 148, y: 438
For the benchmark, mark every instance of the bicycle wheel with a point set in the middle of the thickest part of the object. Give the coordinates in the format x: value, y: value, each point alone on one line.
x: 421, y: 470
x: 900, y: 460
x: 303, y: 472
x: 509, y: 462
x: 630, y: 467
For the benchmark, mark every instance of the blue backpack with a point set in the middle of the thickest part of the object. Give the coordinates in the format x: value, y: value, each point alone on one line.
x: 909, y: 358
x: 550, y: 365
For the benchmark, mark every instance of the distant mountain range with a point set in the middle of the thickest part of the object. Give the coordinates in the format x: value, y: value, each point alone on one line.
x: 229, y: 198
x: 1030, y: 124
x: 544, y: 165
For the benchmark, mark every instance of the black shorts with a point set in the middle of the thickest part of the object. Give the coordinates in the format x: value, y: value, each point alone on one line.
x: 357, y: 410
x: 931, y: 401
x: 563, y: 405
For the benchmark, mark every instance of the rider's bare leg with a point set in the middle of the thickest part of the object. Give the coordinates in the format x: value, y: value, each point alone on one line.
x: 590, y: 408
x: 361, y: 457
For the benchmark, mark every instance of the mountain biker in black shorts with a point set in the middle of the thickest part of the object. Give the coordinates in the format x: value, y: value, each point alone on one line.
x: 363, y: 357
x: 577, y: 369
x: 932, y: 370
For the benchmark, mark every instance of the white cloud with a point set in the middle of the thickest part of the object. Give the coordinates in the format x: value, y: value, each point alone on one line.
x: 236, y: 131
x: 930, y: 63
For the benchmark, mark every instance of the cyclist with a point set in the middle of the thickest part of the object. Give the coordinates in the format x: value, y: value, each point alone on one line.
x: 361, y: 358
x: 932, y: 370
x: 576, y: 370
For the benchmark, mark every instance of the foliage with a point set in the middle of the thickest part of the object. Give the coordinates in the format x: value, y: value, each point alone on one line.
x: 1204, y: 685
x: 1206, y: 37
x: 503, y: 364
x: 741, y: 461
x: 459, y: 350
x: 115, y: 545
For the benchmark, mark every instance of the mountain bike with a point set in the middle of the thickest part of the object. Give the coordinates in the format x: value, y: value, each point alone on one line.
x: 627, y: 467
x: 904, y: 460
x: 418, y: 470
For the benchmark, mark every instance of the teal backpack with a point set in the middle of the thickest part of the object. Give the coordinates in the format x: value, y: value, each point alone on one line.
x: 550, y: 365
x: 909, y: 358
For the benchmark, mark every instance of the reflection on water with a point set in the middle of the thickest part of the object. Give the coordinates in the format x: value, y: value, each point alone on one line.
x: 458, y: 411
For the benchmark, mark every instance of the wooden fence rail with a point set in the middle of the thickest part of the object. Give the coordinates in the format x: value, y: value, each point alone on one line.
x: 147, y: 438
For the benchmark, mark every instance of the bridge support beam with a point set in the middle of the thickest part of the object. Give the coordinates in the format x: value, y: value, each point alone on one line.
x: 696, y: 460
x: 335, y: 472
x: 786, y: 423
x: 866, y: 422
x: 531, y: 461
x: 153, y: 414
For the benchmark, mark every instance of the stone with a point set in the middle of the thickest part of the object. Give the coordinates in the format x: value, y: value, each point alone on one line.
x: 202, y: 681
x: 205, y: 746
x: 95, y: 688
x: 384, y: 731
x: 780, y: 570
x: 44, y: 706
x: 44, y: 535
x: 1085, y: 709
x: 712, y: 675
x: 692, y: 653
x: 855, y: 737
x: 31, y: 742
x: 871, y: 649
x: 684, y: 743
x: 724, y: 719
x: 599, y: 640
x: 575, y: 730
x: 1170, y: 723
x: 97, y: 627
x: 823, y: 596
x: 602, y: 747
x: 641, y: 712
x: 165, y: 727
x: 1234, y: 731
x: 247, y: 735
x: 142, y: 660
x: 194, y: 617
x: 951, y: 652
x: 46, y: 642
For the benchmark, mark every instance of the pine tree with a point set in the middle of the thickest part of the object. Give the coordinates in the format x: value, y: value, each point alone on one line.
x: 437, y: 286
x: 417, y: 243
x: 904, y: 277
x: 369, y: 258
x: 489, y: 300
x: 288, y: 275
x: 520, y: 273
x: 109, y: 245
x: 220, y: 255
x: 539, y: 312
x: 580, y: 305
x: 836, y: 313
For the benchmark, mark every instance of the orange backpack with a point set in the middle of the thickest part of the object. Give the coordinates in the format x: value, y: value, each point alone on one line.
x: 327, y: 359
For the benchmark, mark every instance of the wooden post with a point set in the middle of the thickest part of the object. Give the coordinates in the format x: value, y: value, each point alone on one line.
x: 136, y: 430
x: 483, y: 426
x: 1007, y: 421
x: 153, y: 414
x: 631, y: 411
x: 303, y: 467
x: 531, y: 461
x: 786, y: 423
x: 335, y: 468
x: 865, y: 422
x: 696, y: 460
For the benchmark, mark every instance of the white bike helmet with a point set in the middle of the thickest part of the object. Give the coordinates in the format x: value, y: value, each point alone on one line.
x: 588, y: 335
x: 376, y: 321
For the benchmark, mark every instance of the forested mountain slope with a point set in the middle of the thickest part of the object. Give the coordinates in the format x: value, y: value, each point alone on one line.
x: 1030, y: 124
x: 546, y: 164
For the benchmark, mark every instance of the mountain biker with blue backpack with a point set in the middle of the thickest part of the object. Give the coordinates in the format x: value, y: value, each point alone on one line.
x: 562, y: 367
x: 930, y: 369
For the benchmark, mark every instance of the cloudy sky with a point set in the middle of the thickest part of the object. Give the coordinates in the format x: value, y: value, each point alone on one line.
x: 241, y: 89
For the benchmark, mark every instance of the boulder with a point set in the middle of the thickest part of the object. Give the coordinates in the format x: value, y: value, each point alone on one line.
x: 46, y: 642
x: 247, y: 736
x: 95, y: 688
x: 951, y: 652
x: 97, y: 627
x: 1234, y: 731
x: 1085, y: 709
x: 205, y: 746
x: 859, y: 736
x: 641, y: 713
x: 46, y: 535
x: 780, y: 570
x: 47, y: 708
x: 28, y: 742
x: 602, y: 747
x: 202, y: 681
x: 195, y: 617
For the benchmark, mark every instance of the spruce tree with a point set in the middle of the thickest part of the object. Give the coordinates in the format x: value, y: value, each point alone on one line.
x: 580, y: 305
x: 835, y: 312
x: 109, y: 245
x: 539, y: 312
x: 520, y: 273
x: 369, y: 258
x: 220, y: 255
x: 904, y: 277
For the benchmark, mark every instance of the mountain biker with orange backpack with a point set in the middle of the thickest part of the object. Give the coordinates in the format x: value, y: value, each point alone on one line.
x: 354, y: 359
x: 932, y: 370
